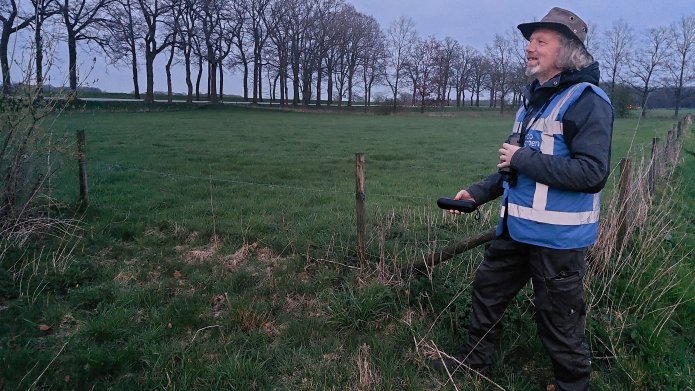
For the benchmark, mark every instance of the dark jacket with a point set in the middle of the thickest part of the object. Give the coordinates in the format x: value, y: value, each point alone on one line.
x: 587, y: 128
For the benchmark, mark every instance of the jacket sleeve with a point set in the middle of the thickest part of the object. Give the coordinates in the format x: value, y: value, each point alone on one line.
x: 488, y: 189
x: 587, y: 129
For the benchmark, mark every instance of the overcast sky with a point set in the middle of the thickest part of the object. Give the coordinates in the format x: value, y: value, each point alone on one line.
x: 470, y: 22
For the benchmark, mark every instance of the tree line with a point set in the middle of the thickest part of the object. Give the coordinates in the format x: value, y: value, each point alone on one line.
x: 326, y: 52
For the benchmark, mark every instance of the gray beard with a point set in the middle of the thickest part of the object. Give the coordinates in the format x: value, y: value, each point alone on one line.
x: 532, y: 71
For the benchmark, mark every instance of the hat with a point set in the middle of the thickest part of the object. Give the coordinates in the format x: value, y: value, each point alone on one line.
x: 560, y: 20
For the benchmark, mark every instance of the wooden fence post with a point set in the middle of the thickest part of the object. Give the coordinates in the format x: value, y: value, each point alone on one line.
x: 623, y: 192
x: 655, y: 166
x: 81, y: 159
x: 360, y: 206
x: 669, y: 148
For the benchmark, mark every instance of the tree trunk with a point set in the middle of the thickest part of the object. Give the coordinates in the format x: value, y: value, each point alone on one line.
x: 318, y: 85
x: 246, y: 78
x: 189, y: 82
x: 72, y: 61
x: 198, y: 79
x: 221, y: 83
x: 170, y: 92
x: 5, y: 64
x: 329, y: 82
x: 212, y: 77
x: 260, y: 81
x: 351, y: 74
x: 295, y: 82
x: 134, y: 63
x: 39, y: 55
x: 395, y: 91
x: 149, y: 70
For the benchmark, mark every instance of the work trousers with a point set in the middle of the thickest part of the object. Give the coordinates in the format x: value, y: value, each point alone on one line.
x: 557, y: 277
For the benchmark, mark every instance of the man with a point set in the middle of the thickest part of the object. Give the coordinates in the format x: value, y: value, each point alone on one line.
x: 550, y: 203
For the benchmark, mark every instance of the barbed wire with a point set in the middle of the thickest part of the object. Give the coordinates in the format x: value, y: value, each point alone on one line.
x: 208, y: 178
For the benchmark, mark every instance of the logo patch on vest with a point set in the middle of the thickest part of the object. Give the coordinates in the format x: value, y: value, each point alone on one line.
x: 533, y: 140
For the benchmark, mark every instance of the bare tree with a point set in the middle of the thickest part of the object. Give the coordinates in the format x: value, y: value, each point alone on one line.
x: 11, y: 23
x: 176, y: 10
x: 617, y: 42
x: 592, y: 42
x: 648, y: 63
x: 240, y: 39
x: 449, y: 48
x: 254, y: 13
x: 400, y: 37
x: 82, y: 19
x: 462, y: 72
x: 325, y: 39
x: 43, y: 9
x: 123, y: 29
x: 215, y: 16
x: 188, y: 24
x: 153, y: 13
x: 279, y: 30
x: 358, y: 28
x: 504, y: 64
x: 373, y: 61
x: 479, y: 75
x: 681, y: 65
x: 423, y: 68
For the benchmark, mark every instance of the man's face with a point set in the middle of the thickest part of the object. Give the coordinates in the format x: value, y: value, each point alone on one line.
x: 541, y: 53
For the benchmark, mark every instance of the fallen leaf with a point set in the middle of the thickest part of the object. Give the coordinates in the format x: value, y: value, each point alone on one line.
x: 44, y: 327
x: 177, y: 274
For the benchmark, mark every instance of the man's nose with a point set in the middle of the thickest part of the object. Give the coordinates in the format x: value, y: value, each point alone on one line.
x: 530, y: 47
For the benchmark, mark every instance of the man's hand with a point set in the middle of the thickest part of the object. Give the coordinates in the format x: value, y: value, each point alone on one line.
x: 461, y: 195
x: 506, y: 153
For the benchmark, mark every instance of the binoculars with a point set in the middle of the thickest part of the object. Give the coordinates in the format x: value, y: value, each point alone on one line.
x: 508, y: 172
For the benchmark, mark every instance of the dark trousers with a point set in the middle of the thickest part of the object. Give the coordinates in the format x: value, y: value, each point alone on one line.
x: 557, y: 277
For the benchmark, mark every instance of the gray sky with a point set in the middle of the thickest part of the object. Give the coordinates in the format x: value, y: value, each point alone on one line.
x: 472, y: 23
x: 476, y: 22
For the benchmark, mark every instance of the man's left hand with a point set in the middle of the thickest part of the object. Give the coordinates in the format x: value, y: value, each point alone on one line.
x: 506, y: 153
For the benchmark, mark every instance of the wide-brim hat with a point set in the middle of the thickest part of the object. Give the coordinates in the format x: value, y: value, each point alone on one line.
x: 560, y: 20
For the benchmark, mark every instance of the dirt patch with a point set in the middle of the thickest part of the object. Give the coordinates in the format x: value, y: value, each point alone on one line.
x: 123, y: 278
x: 218, y: 304
x: 205, y: 253
x: 251, y: 250
x: 295, y: 303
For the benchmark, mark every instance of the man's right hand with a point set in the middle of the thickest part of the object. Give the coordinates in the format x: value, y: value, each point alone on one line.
x: 461, y: 195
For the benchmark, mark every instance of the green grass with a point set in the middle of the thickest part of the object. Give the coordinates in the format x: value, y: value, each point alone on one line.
x: 218, y: 253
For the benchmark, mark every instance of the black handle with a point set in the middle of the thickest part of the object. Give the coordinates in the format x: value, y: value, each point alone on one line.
x: 460, y: 205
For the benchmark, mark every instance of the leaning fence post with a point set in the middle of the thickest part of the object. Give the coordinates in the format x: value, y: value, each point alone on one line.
x: 654, y: 167
x: 360, y: 206
x: 81, y: 160
x: 624, y: 186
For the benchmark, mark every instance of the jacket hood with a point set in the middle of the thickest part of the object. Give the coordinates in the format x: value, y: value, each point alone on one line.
x: 590, y: 74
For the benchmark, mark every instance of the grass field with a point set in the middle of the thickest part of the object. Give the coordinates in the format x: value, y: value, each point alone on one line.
x: 218, y: 252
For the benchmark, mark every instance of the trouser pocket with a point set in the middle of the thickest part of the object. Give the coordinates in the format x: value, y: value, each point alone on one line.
x: 565, y: 293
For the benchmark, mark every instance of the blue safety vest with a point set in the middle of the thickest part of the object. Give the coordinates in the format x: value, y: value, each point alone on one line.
x: 542, y: 215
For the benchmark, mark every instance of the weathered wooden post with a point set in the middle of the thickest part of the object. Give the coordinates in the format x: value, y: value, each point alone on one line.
x: 81, y: 160
x: 669, y: 148
x: 655, y: 166
x: 360, y: 206
x: 623, y: 193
